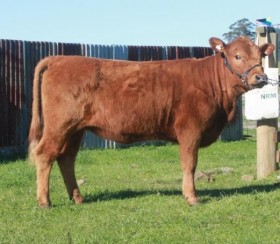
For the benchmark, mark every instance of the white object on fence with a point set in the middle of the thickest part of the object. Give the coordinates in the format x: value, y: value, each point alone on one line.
x: 263, y: 103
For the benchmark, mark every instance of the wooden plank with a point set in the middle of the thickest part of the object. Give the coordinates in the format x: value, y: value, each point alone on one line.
x: 116, y: 52
x: 7, y: 93
x: 102, y: 51
x: 132, y: 53
x: 54, y: 50
x: 181, y: 53
x: 23, y: 128
x: 164, y: 53
x: 2, y: 92
x: 149, y: 53
x: 44, y: 50
x: 29, y: 76
x: 99, y: 53
x: 48, y: 48
x: 64, y: 48
x: 125, y: 52
x: 144, y: 54
x: 154, y: 53
x: 72, y: 49
x: 77, y: 49
x: 109, y: 52
x: 105, y: 52
x: 141, y: 54
x: 26, y: 76
x: 84, y: 50
x: 37, y: 57
x: 187, y: 52
x: 171, y: 53
x: 15, y: 83
x: 12, y: 113
x: 59, y: 48
x: 88, y: 50
x: 195, y: 52
x: 95, y: 51
x: 234, y: 130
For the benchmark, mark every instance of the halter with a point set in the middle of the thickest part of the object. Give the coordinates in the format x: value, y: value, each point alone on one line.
x: 243, y: 77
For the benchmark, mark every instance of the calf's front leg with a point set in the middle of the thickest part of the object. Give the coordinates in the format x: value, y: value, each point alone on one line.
x: 189, y: 154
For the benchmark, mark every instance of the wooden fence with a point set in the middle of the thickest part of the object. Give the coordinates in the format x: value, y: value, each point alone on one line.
x: 17, y: 63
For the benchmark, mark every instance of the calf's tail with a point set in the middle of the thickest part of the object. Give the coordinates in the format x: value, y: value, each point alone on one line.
x: 36, y: 127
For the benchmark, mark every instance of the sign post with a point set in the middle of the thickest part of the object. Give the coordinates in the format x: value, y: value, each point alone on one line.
x: 267, y: 128
x: 263, y: 105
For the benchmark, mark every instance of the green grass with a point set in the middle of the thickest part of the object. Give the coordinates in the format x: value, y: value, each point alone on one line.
x: 134, y: 196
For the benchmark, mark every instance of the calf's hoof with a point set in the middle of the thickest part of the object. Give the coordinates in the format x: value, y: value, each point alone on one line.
x: 192, y: 201
x: 44, y: 205
x: 78, y: 200
x: 77, y: 197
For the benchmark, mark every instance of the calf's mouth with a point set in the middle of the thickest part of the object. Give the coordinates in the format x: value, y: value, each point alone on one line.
x: 261, y: 80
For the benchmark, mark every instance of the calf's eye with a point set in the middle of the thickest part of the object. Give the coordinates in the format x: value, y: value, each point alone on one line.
x: 237, y: 57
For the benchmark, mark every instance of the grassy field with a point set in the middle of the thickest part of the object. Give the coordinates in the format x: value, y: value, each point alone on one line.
x: 134, y: 196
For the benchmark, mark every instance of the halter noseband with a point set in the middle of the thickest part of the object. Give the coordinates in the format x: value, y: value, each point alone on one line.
x: 243, y: 77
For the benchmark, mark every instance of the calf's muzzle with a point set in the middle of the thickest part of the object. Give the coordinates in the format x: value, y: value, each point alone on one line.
x: 261, y: 80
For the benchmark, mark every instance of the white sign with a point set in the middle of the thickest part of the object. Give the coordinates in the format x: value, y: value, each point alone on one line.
x: 263, y: 103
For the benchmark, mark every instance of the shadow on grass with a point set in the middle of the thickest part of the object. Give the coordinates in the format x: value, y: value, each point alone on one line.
x: 218, y: 194
x: 125, y: 194
x: 205, y: 195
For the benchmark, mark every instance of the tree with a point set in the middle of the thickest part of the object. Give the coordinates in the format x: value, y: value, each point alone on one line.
x: 241, y: 27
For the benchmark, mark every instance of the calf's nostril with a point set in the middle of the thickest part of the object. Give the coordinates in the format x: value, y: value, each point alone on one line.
x: 261, y: 77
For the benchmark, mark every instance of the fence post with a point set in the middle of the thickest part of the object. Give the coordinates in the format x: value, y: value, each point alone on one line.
x: 267, y: 129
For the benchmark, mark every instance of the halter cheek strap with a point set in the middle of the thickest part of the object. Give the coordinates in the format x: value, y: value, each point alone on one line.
x: 243, y: 77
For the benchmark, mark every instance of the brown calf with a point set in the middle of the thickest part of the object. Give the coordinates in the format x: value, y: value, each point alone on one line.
x: 186, y: 101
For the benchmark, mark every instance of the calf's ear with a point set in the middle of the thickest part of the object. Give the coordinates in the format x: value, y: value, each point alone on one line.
x: 267, y: 49
x: 217, y: 44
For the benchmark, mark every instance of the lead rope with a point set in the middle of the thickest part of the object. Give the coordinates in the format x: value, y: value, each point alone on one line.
x: 273, y: 82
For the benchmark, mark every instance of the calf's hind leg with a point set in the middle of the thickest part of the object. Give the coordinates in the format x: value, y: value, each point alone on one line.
x: 43, y: 169
x: 66, y: 162
x: 45, y: 154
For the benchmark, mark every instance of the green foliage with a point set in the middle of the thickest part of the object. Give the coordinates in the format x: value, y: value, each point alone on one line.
x: 134, y: 196
x: 241, y: 27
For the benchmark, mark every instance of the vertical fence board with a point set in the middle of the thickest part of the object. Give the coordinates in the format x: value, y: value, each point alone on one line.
x: 2, y: 91
x: 23, y: 125
x: 13, y: 120
x: 132, y: 53
x: 234, y: 130
x: 7, y: 89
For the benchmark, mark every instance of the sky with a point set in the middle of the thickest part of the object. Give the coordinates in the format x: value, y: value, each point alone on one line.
x: 128, y: 22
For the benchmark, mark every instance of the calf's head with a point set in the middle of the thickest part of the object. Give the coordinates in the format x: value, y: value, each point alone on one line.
x: 243, y: 58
